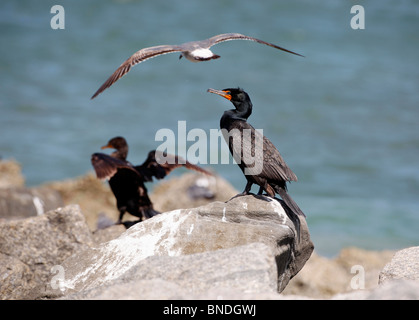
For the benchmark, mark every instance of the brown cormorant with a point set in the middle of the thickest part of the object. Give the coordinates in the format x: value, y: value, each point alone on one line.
x: 262, y: 165
x: 127, y: 181
x: 194, y: 51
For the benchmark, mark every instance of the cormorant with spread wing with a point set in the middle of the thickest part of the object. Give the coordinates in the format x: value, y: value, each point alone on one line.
x: 127, y: 181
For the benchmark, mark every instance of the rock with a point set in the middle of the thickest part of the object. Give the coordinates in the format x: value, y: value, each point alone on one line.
x: 154, y: 289
x: 108, y: 233
x: 11, y: 174
x: 321, y: 278
x: 190, y: 190
x: 92, y: 195
x: 391, y: 290
x: 103, y: 221
x: 250, y: 268
x: 17, y: 201
x: 34, y: 245
x: 185, y: 242
x: 16, y: 278
x: 396, y: 290
x: 28, y: 202
x: 315, y: 279
x: 404, y: 265
x: 371, y: 261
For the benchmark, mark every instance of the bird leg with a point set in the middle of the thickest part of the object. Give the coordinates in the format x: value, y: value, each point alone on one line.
x: 269, y: 191
x: 262, y: 196
x: 121, y: 214
x: 246, y: 190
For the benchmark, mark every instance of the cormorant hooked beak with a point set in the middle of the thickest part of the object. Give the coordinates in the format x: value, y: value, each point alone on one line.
x: 107, y: 146
x: 224, y: 93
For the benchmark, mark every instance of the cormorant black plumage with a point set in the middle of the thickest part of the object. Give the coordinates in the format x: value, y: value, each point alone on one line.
x: 262, y: 164
x: 127, y: 181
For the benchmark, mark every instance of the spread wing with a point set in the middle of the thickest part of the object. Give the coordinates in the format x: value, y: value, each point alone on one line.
x: 237, y: 36
x: 106, y: 166
x: 159, y: 164
x: 138, y: 57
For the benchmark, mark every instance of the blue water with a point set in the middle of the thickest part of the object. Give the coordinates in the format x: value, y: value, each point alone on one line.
x: 345, y: 117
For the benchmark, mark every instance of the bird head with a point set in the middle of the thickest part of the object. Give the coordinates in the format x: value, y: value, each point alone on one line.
x: 121, y: 146
x: 116, y: 143
x: 233, y: 94
x: 237, y: 96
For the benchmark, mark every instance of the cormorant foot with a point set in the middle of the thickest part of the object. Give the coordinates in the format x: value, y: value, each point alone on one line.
x: 264, y: 197
x: 240, y: 195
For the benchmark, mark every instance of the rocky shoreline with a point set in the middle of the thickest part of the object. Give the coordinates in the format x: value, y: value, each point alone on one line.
x: 53, y: 246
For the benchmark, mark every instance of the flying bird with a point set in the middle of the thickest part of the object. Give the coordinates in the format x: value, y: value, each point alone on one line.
x: 194, y: 51
x: 127, y: 181
x: 266, y: 167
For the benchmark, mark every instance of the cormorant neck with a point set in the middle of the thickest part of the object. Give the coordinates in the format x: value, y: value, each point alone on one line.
x: 243, y: 110
x: 121, y: 153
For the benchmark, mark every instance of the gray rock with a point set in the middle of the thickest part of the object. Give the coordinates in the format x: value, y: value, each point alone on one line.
x: 154, y: 289
x: 16, y: 278
x: 391, y: 290
x: 349, y: 265
x: 250, y: 269
x: 218, y: 225
x: 158, y: 289
x: 34, y: 245
x: 321, y: 278
x: 107, y: 234
x: 24, y: 202
x: 404, y: 265
x: 398, y: 280
x: 96, y: 199
x: 396, y: 290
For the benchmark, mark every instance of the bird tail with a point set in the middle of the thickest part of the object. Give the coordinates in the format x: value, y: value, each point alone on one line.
x: 290, y: 202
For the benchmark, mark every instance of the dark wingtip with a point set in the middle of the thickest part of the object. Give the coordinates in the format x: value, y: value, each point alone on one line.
x: 297, y: 54
x: 95, y: 95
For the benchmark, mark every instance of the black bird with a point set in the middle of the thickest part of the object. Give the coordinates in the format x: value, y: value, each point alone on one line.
x: 194, y: 51
x: 127, y: 181
x: 255, y: 154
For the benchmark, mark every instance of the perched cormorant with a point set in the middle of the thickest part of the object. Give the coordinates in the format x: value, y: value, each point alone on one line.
x: 194, y: 51
x: 262, y: 164
x: 127, y: 181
